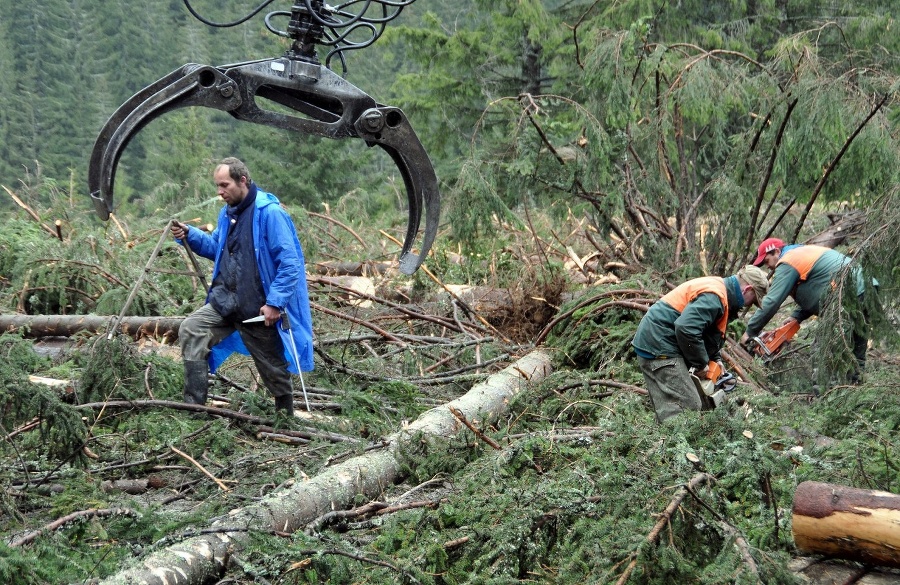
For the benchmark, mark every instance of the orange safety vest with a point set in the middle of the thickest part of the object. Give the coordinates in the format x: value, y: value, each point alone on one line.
x: 803, y: 258
x: 686, y: 292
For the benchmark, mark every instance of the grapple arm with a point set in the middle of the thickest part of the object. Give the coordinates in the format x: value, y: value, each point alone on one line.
x: 314, y: 101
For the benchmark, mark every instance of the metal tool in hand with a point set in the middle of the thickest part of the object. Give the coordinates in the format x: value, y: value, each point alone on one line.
x: 286, y: 326
x: 323, y: 104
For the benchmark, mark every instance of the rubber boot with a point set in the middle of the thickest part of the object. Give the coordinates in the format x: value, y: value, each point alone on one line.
x: 196, y: 381
x: 285, y: 404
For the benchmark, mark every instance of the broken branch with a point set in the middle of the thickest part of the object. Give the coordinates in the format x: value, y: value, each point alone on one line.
x: 694, y: 483
x: 219, y: 483
x: 462, y: 418
x: 91, y: 513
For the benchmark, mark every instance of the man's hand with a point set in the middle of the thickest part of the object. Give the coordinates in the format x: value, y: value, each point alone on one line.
x: 272, y: 314
x: 179, y: 230
x: 744, y: 339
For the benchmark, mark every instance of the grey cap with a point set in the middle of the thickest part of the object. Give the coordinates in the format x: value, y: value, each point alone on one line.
x: 755, y: 277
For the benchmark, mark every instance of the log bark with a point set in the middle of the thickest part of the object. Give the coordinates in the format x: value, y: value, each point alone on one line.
x: 133, y: 486
x: 849, y: 523
x: 843, y: 226
x: 196, y: 559
x: 352, y: 268
x: 490, y: 305
x: 68, y: 325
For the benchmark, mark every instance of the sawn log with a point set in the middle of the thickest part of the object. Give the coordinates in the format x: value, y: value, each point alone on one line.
x: 68, y: 325
x: 849, y: 523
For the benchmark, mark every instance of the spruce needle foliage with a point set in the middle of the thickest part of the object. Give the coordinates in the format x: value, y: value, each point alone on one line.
x: 597, y: 330
x: 658, y: 127
x: 113, y: 369
x: 865, y: 421
x: 874, y: 312
x: 429, y: 457
x: 21, y: 569
x: 560, y: 497
x: 61, y: 430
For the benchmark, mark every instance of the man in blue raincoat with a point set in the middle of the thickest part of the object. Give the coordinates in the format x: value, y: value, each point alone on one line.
x: 258, y: 303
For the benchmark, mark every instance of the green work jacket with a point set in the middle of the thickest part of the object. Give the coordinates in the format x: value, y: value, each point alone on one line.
x: 807, y: 293
x: 692, y: 334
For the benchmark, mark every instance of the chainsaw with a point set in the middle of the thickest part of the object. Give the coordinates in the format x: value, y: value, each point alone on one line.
x: 714, y: 386
x: 310, y: 99
x: 769, y: 344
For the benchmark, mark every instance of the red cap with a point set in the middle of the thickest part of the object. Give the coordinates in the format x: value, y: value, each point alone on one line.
x: 767, y: 246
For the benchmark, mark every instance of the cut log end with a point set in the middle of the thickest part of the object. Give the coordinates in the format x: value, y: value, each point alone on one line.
x: 849, y: 523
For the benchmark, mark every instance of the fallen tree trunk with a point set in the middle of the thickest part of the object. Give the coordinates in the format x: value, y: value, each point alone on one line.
x: 491, y: 306
x: 842, y: 227
x: 194, y: 560
x: 351, y: 268
x: 849, y: 523
x: 68, y: 325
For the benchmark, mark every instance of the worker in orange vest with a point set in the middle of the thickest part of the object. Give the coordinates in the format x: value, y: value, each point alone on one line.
x: 685, y: 330
x: 805, y: 273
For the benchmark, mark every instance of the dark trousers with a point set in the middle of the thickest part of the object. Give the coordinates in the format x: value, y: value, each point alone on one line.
x: 669, y: 386
x: 205, y: 327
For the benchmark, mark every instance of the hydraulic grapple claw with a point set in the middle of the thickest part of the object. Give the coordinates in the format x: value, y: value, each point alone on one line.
x: 390, y: 129
x: 190, y: 85
x: 326, y: 104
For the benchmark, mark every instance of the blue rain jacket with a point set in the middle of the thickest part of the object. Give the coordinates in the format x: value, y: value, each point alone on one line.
x: 282, y: 270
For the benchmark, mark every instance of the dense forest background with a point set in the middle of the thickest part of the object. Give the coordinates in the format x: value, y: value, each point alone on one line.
x: 68, y: 65
x: 628, y: 114
x: 590, y: 155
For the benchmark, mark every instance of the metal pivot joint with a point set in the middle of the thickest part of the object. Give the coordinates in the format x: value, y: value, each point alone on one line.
x: 311, y: 99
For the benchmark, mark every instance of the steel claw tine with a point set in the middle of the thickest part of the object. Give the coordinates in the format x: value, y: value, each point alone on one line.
x: 190, y: 85
x: 390, y: 129
x: 101, y: 204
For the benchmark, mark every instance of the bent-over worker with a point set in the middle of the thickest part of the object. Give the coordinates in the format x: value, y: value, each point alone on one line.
x: 686, y: 329
x: 806, y: 273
